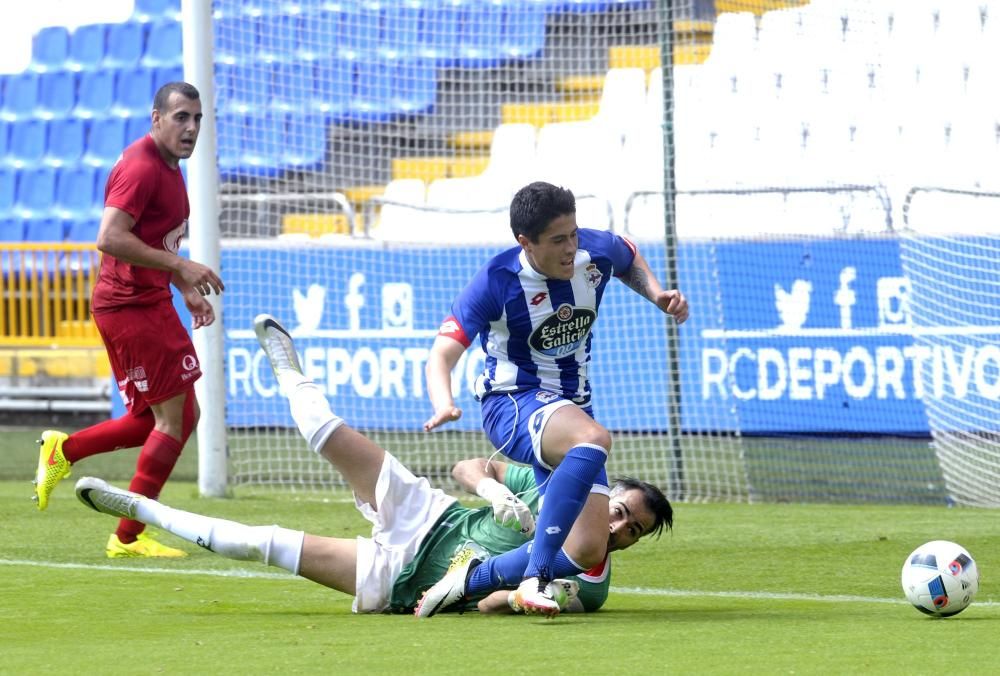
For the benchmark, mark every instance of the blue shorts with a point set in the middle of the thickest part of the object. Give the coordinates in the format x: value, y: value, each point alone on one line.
x: 514, y: 422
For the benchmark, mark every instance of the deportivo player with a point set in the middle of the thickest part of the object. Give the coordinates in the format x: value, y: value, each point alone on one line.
x: 416, y: 530
x: 533, y: 307
x: 152, y: 357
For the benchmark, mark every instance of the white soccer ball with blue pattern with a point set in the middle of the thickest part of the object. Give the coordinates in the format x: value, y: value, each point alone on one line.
x: 940, y: 578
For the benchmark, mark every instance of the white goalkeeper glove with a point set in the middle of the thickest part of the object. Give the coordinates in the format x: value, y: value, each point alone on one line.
x: 508, y: 510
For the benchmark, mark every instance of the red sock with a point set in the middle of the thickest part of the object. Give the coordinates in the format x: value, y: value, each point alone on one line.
x: 156, y: 460
x: 128, y: 431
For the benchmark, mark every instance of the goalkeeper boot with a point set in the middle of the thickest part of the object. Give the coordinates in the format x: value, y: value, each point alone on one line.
x: 451, y: 588
x: 53, y: 466
x: 277, y: 344
x: 102, y: 497
x: 144, y: 545
x: 538, y: 596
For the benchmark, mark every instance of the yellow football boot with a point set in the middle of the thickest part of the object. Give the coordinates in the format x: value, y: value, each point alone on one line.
x: 143, y: 546
x: 53, y: 466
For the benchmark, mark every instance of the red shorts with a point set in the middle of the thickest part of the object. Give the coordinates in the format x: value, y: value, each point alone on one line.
x: 151, y: 353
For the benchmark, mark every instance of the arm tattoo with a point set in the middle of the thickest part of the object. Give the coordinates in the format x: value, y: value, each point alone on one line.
x: 637, y: 280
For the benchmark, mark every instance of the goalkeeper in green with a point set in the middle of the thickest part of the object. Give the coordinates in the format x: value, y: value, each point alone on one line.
x: 418, y: 532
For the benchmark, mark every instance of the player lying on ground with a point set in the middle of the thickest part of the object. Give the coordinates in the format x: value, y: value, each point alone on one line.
x: 416, y: 530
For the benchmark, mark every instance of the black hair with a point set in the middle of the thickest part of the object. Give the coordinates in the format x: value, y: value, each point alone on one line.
x: 536, y: 205
x: 188, y: 91
x: 656, y: 502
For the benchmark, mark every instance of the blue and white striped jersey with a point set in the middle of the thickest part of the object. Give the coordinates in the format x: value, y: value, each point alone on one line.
x: 535, y: 331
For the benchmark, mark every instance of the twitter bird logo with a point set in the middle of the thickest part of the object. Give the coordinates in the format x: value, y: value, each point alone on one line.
x: 308, y: 309
x: 793, y: 306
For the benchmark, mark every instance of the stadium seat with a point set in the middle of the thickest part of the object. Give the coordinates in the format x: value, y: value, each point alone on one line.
x: 244, y: 88
x: 154, y: 10
x: 415, y: 88
x: 11, y: 229
x: 126, y: 42
x: 276, y: 37
x: 317, y: 38
x: 480, y: 34
x: 44, y: 230
x: 623, y: 99
x: 75, y: 192
x: 523, y: 29
x: 512, y: 149
x: 374, y: 89
x: 292, y: 86
x: 66, y: 141
x: 262, y: 147
x: 136, y: 128
x: 83, y: 230
x: 162, y: 76
x: 20, y: 98
x: 8, y: 190
x: 56, y: 94
x: 229, y: 130
x: 439, y: 39
x: 359, y: 30
x: 50, y: 47
x: 164, y: 46
x: 96, y: 94
x: 27, y: 143
x: 585, y: 158
x: 36, y: 188
x: 397, y: 221
x: 334, y: 86
x: 105, y: 141
x: 133, y: 92
x: 304, y: 148
x: 401, y: 24
x: 482, y: 216
x: 235, y: 39
x: 86, y: 47
x: 4, y: 138
x: 733, y: 39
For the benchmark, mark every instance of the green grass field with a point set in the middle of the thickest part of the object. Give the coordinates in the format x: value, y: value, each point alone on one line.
x: 768, y: 588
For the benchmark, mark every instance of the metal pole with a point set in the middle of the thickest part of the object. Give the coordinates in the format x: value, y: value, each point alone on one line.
x: 203, y: 189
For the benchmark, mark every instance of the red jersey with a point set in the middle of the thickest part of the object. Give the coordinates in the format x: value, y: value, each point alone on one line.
x: 153, y: 193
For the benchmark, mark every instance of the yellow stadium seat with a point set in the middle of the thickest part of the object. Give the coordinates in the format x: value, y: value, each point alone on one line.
x: 472, y: 141
x: 577, y: 87
x: 758, y: 7
x: 538, y: 114
x: 315, y: 225
x: 468, y: 165
x: 574, y: 111
x: 425, y: 168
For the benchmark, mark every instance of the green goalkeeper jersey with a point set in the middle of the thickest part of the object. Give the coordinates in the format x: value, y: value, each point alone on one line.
x: 461, y: 526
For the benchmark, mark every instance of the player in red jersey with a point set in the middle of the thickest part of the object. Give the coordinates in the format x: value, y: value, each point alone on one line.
x: 152, y: 357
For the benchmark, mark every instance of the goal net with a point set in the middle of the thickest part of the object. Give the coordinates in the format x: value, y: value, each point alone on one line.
x: 758, y: 152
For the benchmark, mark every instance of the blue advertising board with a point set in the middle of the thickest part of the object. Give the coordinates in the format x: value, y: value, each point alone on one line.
x: 810, y: 336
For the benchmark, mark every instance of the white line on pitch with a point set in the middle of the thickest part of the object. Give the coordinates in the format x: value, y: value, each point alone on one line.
x: 639, y: 591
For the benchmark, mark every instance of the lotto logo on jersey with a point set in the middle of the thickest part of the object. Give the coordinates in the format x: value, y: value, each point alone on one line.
x: 563, y: 332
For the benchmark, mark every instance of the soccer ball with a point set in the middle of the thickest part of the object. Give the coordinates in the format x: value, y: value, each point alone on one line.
x: 940, y: 578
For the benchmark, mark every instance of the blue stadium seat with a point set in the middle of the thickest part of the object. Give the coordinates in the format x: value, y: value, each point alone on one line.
x: 276, y: 37
x: 415, y: 90
x: 86, y: 47
x: 44, y: 230
x: 133, y: 92
x: 229, y: 130
x: 105, y: 141
x: 75, y: 192
x: 292, y: 85
x: 154, y: 10
x: 334, y: 90
x: 480, y: 34
x: 304, y: 147
x: 95, y: 94
x: 439, y: 39
x: 20, y: 96
x: 27, y: 143
x: 374, y: 90
x: 100, y: 183
x: 401, y: 28
x: 36, y: 189
x: 56, y: 93
x: 136, y: 128
x: 163, y: 45
x: 317, y: 38
x: 49, y: 49
x: 11, y: 229
x: 126, y: 42
x: 83, y: 230
x: 162, y: 76
x: 245, y: 87
x: 263, y: 137
x: 359, y: 30
x: 66, y: 141
x: 8, y: 190
x: 523, y: 29
x: 4, y: 138
x: 235, y: 39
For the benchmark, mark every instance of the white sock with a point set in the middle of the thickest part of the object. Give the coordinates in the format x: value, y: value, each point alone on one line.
x: 310, y: 409
x: 273, y: 545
